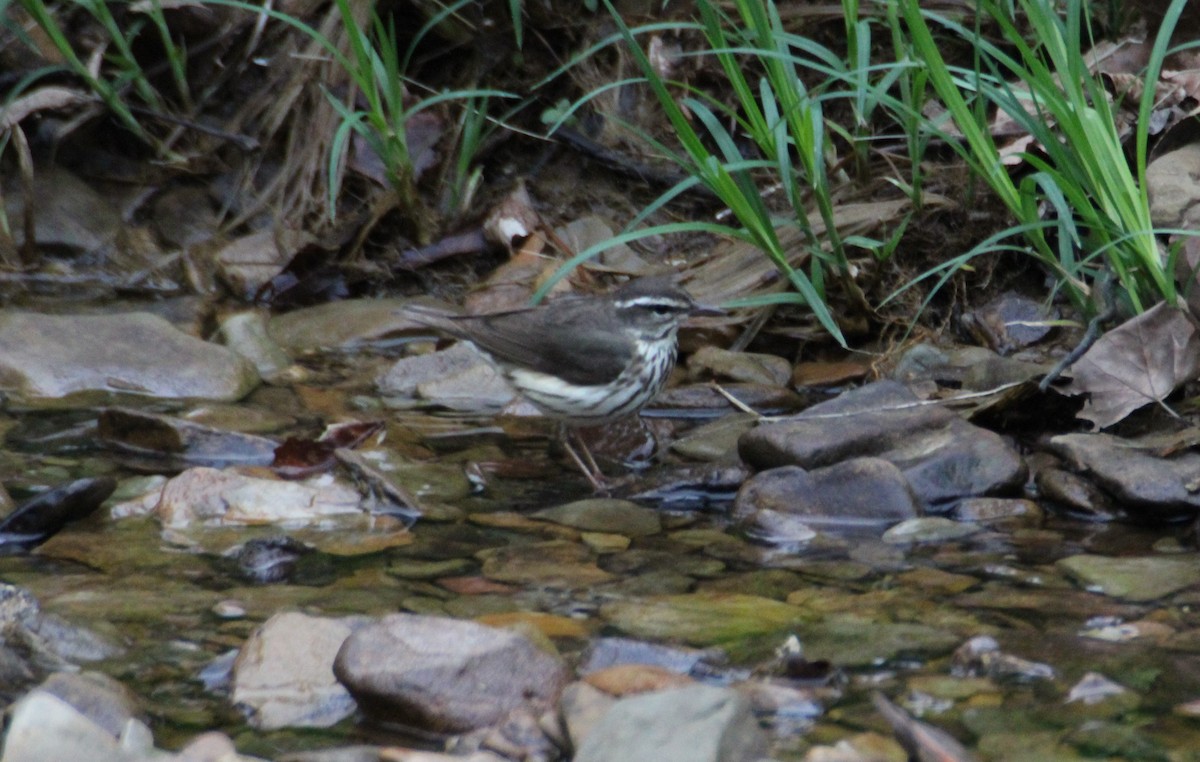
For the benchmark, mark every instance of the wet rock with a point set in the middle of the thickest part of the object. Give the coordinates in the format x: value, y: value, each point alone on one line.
x: 943, y: 457
x: 701, y: 619
x: 1147, y: 486
x: 854, y: 640
x: 247, y: 334
x: 767, y: 583
x: 339, y: 324
x: 446, y: 675
x: 283, y: 676
x: 170, y: 443
x: 41, y: 517
x: 928, y: 529
x: 693, y: 724
x: 630, y: 679
x: 1145, y: 578
x: 687, y: 487
x: 1075, y: 493
x: 269, y: 559
x: 1011, y: 512
x: 557, y: 563
x: 458, y: 378
x: 605, y: 515
x: 748, y: 367
x: 208, y: 496
x: 104, y: 701
x: 715, y: 441
x: 857, y: 492
x: 1094, y: 688
x: 50, y: 641
x: 981, y: 656
x: 610, y: 652
x: 45, y: 357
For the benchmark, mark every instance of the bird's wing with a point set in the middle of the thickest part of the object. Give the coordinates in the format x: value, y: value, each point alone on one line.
x: 563, y: 341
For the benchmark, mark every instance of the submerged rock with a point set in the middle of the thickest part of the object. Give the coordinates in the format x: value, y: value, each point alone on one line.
x: 209, y: 496
x: 698, y: 723
x: 1146, y: 578
x: 45, y: 357
x: 446, y: 675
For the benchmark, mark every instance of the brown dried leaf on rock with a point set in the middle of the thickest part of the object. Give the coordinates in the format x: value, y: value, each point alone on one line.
x: 1139, y: 362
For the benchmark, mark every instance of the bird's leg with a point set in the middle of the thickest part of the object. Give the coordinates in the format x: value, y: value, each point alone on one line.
x: 588, y: 467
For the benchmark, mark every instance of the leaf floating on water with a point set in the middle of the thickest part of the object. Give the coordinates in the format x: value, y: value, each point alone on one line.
x: 1140, y: 361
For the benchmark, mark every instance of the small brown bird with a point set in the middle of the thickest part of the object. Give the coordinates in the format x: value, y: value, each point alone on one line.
x: 583, y: 360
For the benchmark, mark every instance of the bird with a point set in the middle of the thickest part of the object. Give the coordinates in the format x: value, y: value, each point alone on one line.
x: 582, y: 360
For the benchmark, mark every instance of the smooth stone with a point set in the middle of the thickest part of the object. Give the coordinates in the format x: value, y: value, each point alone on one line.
x: 581, y: 707
x: 283, y: 676
x: 603, y: 653
x: 1139, y: 579
x: 775, y: 584
x: 446, y: 675
x: 338, y: 324
x: 854, y: 640
x: 943, y: 457
x: 48, y: 357
x: 1140, y: 482
x: 928, y: 529
x: 458, y: 378
x: 697, y: 723
x: 557, y: 563
x: 701, y: 619
x: 746, y: 367
x: 41, y: 726
x: 603, y: 543
x: 247, y: 334
x: 715, y: 441
x: 605, y: 515
x: 860, y: 491
x: 209, y: 496
x: 999, y: 510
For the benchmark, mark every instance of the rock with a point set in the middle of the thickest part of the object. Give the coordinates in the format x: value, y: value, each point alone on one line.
x: 981, y: 655
x: 999, y: 510
x: 694, y: 724
x: 605, y: 515
x: 943, y: 457
x: 50, y: 641
x: 1170, y: 182
x: 769, y: 399
x: 856, y: 492
x: 42, y: 726
x: 747, y: 367
x: 928, y: 529
x: 854, y: 640
x: 458, y: 378
x: 603, y: 653
x: 44, y: 357
x: 105, y: 702
x: 173, y: 443
x: 715, y: 441
x: 1145, y: 578
x: 246, y: 333
x: 283, y: 676
x: 339, y: 324
x: 209, y: 496
x: 1145, y: 485
x: 446, y: 675
x: 581, y: 708
x: 701, y: 619
x: 557, y: 563
x: 1076, y: 494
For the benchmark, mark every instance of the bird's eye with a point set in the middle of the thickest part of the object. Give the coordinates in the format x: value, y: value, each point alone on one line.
x: 661, y: 309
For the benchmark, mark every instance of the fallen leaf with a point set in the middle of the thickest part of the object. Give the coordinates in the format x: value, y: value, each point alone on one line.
x: 1138, y: 362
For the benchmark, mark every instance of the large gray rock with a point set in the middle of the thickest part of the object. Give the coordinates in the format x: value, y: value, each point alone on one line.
x: 698, y: 723
x: 943, y: 457
x: 446, y: 675
x: 859, y: 491
x: 53, y: 356
x: 1142, y: 483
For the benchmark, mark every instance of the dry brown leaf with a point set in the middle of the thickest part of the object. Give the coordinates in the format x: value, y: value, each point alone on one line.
x: 1138, y: 362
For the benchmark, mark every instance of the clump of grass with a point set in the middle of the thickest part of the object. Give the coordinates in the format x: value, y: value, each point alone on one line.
x: 1080, y: 168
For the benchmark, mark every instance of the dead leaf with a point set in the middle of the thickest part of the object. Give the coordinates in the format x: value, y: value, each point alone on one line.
x: 1138, y: 362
